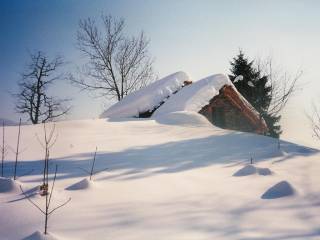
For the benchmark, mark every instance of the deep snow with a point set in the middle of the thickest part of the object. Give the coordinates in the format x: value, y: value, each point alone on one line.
x: 195, y: 96
x: 168, y: 179
x: 251, y: 169
x: 147, y: 98
x: 281, y: 189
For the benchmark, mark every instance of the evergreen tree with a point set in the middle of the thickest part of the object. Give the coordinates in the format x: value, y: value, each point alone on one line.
x: 256, y: 89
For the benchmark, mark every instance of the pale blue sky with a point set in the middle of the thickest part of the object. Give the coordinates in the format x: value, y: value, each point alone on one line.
x: 199, y: 37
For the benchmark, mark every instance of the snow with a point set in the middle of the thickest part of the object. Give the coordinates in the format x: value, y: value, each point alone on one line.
x: 41, y: 236
x: 8, y: 185
x: 238, y: 78
x: 81, y: 185
x: 194, y: 96
x: 264, y: 171
x: 245, y: 171
x: 184, y: 118
x: 148, y: 97
x: 281, y: 189
x: 165, y: 181
x: 250, y: 170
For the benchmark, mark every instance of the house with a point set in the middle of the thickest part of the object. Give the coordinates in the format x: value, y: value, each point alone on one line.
x: 215, y: 97
x: 230, y: 110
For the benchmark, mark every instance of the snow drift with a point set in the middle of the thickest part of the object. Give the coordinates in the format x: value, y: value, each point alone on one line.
x: 164, y: 182
x: 250, y: 170
x: 81, y: 185
x: 8, y: 185
x: 281, y: 189
x: 147, y: 98
x: 184, y: 118
x: 41, y: 236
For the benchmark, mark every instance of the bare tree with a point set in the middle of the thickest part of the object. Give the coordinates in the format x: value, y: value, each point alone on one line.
x: 32, y: 98
x: 283, y: 85
x: 47, y: 211
x: 314, y: 119
x: 49, y: 140
x: 118, y: 64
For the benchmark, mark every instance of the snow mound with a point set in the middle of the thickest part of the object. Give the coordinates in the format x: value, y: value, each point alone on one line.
x: 245, y: 171
x: 41, y: 236
x: 194, y: 96
x: 250, y: 170
x: 81, y: 185
x: 147, y: 98
x: 184, y: 118
x: 8, y: 185
x: 281, y: 189
x: 264, y: 171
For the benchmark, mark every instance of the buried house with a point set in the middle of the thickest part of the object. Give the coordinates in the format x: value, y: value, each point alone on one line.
x: 215, y: 97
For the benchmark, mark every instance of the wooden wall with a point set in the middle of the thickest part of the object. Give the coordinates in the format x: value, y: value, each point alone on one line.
x: 222, y: 113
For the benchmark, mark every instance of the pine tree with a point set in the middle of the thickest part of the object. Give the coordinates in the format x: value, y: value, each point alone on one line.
x: 256, y: 89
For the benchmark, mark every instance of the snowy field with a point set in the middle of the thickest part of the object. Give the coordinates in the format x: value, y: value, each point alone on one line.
x: 176, y: 177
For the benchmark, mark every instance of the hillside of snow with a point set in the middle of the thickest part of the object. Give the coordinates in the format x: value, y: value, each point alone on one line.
x: 174, y: 177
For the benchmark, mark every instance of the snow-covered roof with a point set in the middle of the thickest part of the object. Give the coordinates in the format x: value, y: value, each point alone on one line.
x: 147, y: 98
x: 194, y: 96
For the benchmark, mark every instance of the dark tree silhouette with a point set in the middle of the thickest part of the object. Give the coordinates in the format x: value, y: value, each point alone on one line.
x: 266, y: 91
x: 32, y: 98
x: 118, y: 64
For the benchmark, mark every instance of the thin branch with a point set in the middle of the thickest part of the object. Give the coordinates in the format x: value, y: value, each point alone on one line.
x: 60, y: 206
x: 54, y: 180
x: 33, y: 203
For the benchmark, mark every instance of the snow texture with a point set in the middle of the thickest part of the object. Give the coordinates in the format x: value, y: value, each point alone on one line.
x: 264, y: 171
x: 245, y: 171
x: 41, y: 236
x: 251, y: 170
x: 184, y: 118
x: 147, y: 98
x: 279, y: 190
x: 8, y: 185
x: 195, y: 96
x: 81, y: 185
x: 164, y: 182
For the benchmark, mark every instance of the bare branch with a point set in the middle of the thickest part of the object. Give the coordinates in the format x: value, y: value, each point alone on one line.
x: 32, y: 202
x: 117, y: 64
x: 283, y: 85
x: 52, y: 187
x: 32, y: 98
x: 60, y: 206
x: 314, y: 119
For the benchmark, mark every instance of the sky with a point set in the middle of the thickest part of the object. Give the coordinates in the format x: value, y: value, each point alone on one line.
x: 198, y: 37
